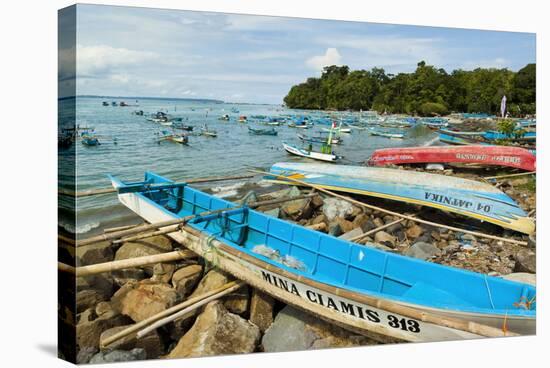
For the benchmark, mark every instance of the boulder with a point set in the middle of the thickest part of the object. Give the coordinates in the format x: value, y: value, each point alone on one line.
x: 85, y: 354
x: 186, y: 278
x: 351, y: 234
x: 145, y: 247
x: 422, y: 250
x: 217, y: 331
x: 382, y: 237
x: 151, y: 343
x: 345, y: 225
x: 524, y: 277
x: 141, y: 300
x: 122, y: 277
x: 94, y: 253
x: 162, y: 272
x: 394, y: 228
x: 237, y: 302
x: 297, y: 209
x: 317, y: 201
x: 273, y: 212
x: 334, y: 229
x: 336, y: 208
x: 414, y: 231
x: 294, y: 330
x: 377, y: 221
x: 214, y: 279
x: 364, y: 222
x: 319, y: 220
x: 103, y: 283
x: 118, y: 356
x: 90, y: 326
x: 87, y: 299
x: 261, y: 309
x: 526, y: 261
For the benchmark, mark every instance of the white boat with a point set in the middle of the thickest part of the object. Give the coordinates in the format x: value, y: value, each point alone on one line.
x: 338, y: 130
x: 310, y: 154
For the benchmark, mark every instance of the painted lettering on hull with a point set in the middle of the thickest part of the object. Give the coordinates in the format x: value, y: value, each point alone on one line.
x: 340, y: 305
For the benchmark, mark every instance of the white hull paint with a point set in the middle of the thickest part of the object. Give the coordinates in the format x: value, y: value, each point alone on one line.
x: 349, y: 313
x: 312, y: 155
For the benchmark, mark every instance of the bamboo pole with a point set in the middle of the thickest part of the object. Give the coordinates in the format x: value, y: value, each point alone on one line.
x: 510, y: 175
x: 168, y: 230
x: 179, y: 221
x: 91, y: 192
x: 63, y: 267
x: 167, y: 312
x: 425, y: 222
x: 119, y: 228
x: 132, y: 262
x: 189, y: 309
x: 380, y: 228
x: 66, y: 239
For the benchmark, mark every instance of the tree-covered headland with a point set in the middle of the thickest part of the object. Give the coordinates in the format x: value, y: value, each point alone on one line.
x: 428, y: 91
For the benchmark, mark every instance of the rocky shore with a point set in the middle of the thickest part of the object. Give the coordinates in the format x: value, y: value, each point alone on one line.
x: 249, y: 321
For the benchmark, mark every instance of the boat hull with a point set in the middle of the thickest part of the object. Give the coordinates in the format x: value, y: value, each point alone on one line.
x: 309, y: 154
x: 515, y: 157
x: 355, y: 311
x: 465, y: 197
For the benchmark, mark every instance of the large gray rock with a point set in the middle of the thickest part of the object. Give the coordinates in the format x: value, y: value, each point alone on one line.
x: 118, y: 356
x: 217, y: 331
x: 351, y: 234
x: 422, y: 250
x: 526, y: 261
x: 141, y: 300
x: 294, y: 330
x: 334, y: 207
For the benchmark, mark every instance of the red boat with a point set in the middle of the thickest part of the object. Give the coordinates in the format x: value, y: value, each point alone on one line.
x: 515, y: 157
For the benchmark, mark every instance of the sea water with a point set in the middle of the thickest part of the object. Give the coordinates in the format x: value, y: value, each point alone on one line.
x: 129, y: 147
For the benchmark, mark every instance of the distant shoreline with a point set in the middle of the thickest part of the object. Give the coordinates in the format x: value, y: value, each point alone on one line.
x: 144, y: 98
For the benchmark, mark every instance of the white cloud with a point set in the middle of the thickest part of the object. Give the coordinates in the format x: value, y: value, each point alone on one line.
x: 331, y: 57
x: 103, y: 59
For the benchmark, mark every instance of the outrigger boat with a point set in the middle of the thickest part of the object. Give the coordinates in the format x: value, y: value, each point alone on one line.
x: 271, y: 131
x: 325, y: 155
x: 457, y: 140
x: 515, y: 157
x: 356, y: 286
x: 465, y: 197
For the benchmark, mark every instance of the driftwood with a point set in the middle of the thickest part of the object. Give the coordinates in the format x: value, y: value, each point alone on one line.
x: 188, y: 311
x: 91, y: 192
x: 66, y: 239
x: 179, y: 221
x: 139, y: 325
x: 509, y: 175
x: 407, y: 217
x: 133, y: 262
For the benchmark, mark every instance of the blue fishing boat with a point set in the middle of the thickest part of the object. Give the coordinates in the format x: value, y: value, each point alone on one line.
x: 346, y: 283
x: 465, y: 197
x: 457, y: 140
x: 526, y: 136
x: 386, y: 134
x: 90, y: 140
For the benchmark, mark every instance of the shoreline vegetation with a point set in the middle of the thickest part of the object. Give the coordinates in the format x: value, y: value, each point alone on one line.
x: 428, y: 91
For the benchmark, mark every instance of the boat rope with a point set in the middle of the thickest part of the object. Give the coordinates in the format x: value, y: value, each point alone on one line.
x: 211, y: 253
x: 525, y: 303
x: 489, y: 292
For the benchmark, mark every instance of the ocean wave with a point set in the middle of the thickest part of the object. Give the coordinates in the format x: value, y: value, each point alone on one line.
x: 227, y: 190
x: 80, y: 229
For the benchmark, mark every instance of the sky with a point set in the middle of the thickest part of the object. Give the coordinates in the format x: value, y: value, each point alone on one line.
x: 126, y: 51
